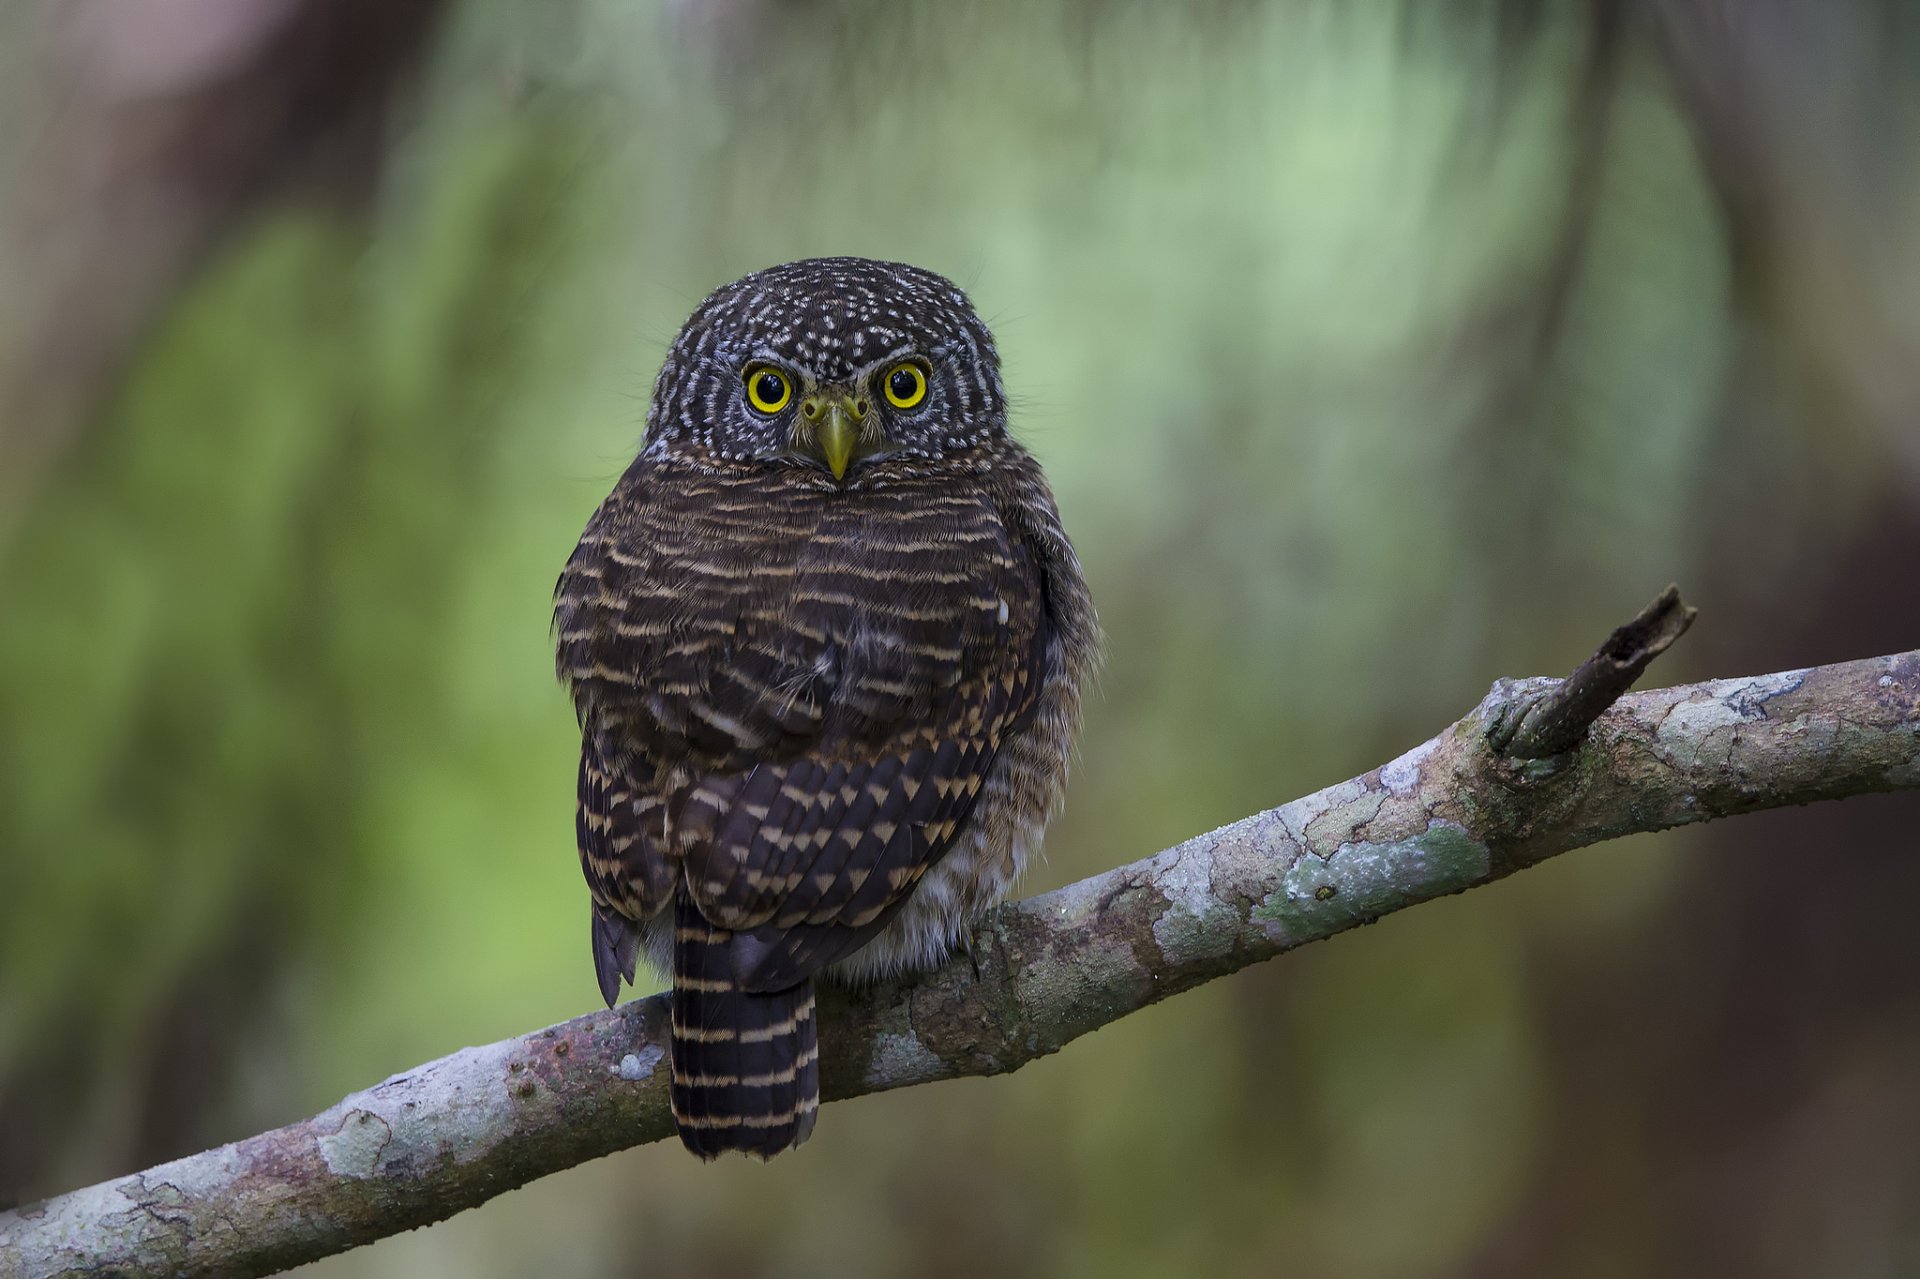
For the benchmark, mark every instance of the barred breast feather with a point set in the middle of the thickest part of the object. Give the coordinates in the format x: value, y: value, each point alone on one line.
x: 822, y: 728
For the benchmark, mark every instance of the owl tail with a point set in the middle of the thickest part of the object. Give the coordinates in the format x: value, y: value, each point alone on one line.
x: 746, y: 1066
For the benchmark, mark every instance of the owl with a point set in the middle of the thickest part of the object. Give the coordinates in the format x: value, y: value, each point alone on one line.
x: 826, y: 640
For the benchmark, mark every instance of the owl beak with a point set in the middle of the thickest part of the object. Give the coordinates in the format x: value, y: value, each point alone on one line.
x: 836, y: 430
x: 837, y: 434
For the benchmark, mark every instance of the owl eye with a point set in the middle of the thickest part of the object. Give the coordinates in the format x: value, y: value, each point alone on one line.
x: 906, y: 386
x: 768, y: 390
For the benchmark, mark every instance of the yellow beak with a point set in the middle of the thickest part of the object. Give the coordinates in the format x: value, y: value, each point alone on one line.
x: 836, y: 436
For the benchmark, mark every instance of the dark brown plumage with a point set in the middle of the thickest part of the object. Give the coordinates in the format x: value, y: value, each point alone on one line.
x: 825, y: 639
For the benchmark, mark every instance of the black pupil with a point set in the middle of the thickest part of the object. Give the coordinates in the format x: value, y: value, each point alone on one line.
x: 770, y: 388
x: 904, y: 384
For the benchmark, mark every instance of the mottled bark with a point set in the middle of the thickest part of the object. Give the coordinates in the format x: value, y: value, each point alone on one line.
x: 1452, y: 813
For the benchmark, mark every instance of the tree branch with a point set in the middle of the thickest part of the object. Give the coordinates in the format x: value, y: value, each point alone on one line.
x: 1556, y: 719
x: 1458, y: 811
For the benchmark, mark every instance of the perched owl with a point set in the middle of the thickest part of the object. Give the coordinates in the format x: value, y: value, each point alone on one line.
x: 826, y: 640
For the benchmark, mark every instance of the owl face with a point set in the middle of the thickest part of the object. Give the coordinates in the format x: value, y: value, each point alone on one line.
x: 830, y: 366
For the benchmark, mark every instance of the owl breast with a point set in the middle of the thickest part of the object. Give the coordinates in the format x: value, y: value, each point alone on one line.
x: 726, y: 631
x: 709, y: 628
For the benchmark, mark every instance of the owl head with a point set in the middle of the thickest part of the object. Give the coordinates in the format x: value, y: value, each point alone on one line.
x: 830, y: 366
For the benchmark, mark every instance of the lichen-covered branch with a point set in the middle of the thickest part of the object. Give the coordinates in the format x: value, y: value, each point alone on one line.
x: 1450, y: 814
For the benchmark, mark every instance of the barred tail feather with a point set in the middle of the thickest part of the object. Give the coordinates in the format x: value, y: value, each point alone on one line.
x: 746, y: 1067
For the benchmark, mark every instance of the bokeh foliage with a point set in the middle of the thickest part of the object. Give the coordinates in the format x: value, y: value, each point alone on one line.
x: 1368, y: 365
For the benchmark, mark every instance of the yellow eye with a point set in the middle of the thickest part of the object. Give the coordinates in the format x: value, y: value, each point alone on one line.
x: 768, y: 389
x: 906, y: 386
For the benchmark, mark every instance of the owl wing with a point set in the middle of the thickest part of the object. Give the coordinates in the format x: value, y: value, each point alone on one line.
x: 620, y: 856
x: 806, y: 858
x: 816, y: 855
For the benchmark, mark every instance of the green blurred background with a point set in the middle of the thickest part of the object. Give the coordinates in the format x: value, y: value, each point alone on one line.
x: 1375, y: 350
